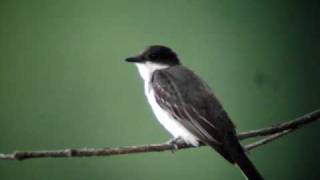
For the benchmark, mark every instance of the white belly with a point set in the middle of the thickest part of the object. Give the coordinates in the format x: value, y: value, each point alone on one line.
x: 173, y: 126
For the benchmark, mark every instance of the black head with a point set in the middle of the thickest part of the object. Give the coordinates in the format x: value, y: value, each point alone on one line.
x: 157, y: 54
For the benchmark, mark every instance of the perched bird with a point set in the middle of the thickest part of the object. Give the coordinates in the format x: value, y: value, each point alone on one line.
x: 184, y: 104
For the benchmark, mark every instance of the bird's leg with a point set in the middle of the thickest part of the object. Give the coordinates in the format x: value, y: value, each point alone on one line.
x: 174, y: 142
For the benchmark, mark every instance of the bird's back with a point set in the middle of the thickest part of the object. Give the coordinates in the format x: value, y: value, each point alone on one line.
x: 202, y: 114
x: 191, y: 101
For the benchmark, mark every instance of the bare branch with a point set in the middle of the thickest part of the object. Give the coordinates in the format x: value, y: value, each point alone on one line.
x: 272, y: 133
x: 266, y: 140
x: 293, y: 124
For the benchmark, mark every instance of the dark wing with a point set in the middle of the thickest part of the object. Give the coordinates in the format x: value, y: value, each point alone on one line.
x: 193, y: 105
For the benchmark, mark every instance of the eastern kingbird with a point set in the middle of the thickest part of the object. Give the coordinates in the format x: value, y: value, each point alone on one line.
x: 184, y: 104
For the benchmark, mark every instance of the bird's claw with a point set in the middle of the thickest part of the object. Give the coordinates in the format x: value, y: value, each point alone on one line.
x: 175, y: 143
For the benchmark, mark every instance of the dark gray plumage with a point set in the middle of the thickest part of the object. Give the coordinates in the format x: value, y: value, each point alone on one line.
x: 193, y: 105
x: 189, y: 100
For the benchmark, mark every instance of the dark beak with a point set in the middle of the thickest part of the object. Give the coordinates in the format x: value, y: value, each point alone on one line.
x: 134, y: 59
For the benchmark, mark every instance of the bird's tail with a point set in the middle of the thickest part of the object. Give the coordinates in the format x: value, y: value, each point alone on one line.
x: 247, y: 167
x: 240, y: 158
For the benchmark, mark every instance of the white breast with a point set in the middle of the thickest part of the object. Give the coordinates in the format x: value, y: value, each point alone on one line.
x: 173, y: 126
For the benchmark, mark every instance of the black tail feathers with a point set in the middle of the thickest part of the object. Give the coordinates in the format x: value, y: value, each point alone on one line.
x: 248, y: 168
x: 240, y: 158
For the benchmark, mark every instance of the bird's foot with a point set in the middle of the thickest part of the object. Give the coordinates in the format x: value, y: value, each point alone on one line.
x: 174, y: 142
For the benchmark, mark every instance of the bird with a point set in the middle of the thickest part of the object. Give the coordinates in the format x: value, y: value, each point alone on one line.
x: 187, y: 108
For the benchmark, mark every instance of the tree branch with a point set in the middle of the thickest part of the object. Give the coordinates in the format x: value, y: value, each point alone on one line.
x: 272, y: 133
x: 266, y: 140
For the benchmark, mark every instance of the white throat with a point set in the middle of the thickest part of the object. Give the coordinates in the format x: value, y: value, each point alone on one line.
x: 146, y: 69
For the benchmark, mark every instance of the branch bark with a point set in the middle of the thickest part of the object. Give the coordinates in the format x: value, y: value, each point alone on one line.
x: 272, y: 133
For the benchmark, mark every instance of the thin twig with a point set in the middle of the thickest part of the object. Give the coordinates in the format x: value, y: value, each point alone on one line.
x: 293, y: 124
x: 274, y: 132
x: 266, y: 140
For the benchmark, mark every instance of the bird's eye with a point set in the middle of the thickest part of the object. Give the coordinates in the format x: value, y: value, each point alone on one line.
x: 153, y: 56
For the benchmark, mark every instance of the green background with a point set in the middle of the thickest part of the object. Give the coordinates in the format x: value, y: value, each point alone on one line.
x: 64, y: 83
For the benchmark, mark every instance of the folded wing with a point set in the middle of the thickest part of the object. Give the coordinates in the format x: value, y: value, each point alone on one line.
x: 190, y: 101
